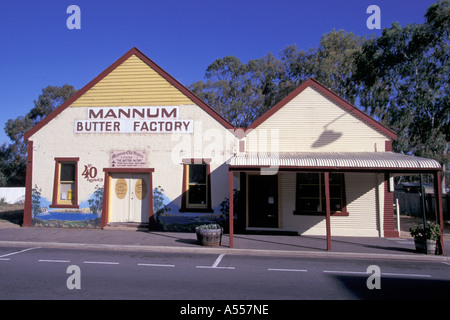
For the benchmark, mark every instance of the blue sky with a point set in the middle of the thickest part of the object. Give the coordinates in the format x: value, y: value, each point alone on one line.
x: 183, y: 37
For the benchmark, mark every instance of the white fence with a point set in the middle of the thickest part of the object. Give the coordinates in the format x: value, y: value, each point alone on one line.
x: 13, y: 195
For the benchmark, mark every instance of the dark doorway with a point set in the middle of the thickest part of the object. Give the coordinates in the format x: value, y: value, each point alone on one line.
x: 263, y: 201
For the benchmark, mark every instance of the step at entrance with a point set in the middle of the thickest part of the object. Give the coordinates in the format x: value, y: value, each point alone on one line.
x: 131, y: 226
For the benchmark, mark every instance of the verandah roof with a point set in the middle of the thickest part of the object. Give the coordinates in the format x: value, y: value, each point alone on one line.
x: 387, y: 162
x: 334, y: 160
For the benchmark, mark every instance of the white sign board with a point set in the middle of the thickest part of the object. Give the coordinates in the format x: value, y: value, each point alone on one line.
x: 134, y: 120
x: 128, y: 159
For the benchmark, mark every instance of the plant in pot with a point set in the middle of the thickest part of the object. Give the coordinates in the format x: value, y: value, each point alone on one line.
x: 209, y: 234
x: 425, y: 238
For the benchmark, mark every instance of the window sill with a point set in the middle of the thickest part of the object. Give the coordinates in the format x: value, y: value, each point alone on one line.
x: 334, y: 214
x: 196, y: 210
x: 65, y: 206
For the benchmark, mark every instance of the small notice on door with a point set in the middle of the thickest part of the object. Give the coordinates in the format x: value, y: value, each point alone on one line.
x: 128, y: 159
x: 121, y: 188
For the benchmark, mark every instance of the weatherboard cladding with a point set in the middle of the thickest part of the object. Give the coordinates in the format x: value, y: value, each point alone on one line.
x: 361, y: 200
x: 312, y: 121
x: 133, y: 83
x: 361, y: 204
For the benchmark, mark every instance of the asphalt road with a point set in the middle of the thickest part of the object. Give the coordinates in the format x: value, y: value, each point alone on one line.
x: 43, y: 273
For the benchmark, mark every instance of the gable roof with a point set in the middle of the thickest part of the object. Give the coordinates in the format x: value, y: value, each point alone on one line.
x: 311, y: 82
x: 107, y: 71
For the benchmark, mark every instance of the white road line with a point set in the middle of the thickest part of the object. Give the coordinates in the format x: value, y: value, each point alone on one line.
x: 289, y: 270
x: 100, y: 262
x: 215, y: 264
x: 406, y: 275
x: 219, y: 258
x: 209, y: 267
x: 12, y: 253
x: 446, y: 263
x: 44, y: 260
x: 155, y: 265
x: 4, y: 259
x: 383, y: 273
x: 345, y: 272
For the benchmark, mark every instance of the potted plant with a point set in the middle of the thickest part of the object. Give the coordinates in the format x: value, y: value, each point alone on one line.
x: 209, y: 234
x: 425, y: 238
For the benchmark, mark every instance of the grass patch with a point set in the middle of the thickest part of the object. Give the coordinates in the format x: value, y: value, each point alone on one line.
x: 83, y: 224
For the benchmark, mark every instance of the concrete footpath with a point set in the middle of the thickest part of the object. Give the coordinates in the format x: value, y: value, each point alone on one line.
x: 244, y: 244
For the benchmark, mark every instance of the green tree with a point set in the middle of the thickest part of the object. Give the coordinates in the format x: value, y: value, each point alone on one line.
x: 400, y: 78
x: 243, y: 92
x: 12, y: 166
x: 404, y: 81
x: 333, y: 63
x: 232, y: 89
x: 13, y: 156
x: 297, y: 66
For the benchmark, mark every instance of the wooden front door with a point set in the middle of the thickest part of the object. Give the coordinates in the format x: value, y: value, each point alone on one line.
x: 129, y: 197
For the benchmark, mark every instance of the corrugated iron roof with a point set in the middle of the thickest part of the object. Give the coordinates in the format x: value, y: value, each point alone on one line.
x: 361, y: 160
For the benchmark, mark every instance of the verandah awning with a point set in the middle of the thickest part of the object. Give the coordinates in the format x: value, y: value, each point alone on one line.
x: 388, y: 162
x: 334, y: 160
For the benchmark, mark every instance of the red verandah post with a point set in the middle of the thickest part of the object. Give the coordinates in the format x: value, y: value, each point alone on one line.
x: 231, y: 207
x: 328, y: 213
x: 28, y: 208
x: 439, y: 210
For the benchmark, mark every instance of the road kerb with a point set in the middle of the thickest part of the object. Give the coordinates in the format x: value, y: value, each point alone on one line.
x: 230, y: 251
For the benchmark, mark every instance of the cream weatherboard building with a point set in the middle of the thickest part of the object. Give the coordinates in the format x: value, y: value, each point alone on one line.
x: 134, y: 143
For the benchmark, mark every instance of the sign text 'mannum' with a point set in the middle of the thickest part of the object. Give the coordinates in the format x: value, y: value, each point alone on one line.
x: 133, y: 113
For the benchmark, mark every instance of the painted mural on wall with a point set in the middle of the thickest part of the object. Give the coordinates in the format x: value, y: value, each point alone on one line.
x: 89, y: 212
x: 88, y: 215
x: 169, y: 218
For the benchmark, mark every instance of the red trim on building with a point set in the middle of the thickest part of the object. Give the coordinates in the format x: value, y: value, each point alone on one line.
x: 106, y: 192
x: 105, y: 201
x: 328, y: 209
x: 150, y: 63
x: 231, y: 209
x: 388, y: 211
x: 388, y: 145
x: 55, y: 203
x: 342, y: 213
x: 184, y: 190
x: 28, y: 206
x: 439, y: 209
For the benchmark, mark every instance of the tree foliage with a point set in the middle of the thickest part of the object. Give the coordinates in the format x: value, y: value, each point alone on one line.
x: 401, y: 78
x: 13, y: 156
x: 240, y: 92
x: 243, y: 92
